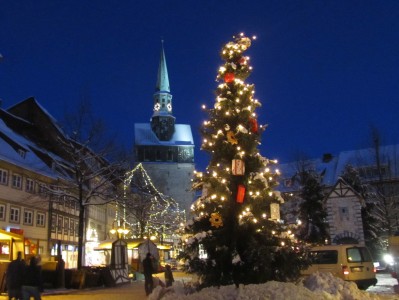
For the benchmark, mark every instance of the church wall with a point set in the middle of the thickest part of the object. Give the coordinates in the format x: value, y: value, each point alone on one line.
x: 173, y: 180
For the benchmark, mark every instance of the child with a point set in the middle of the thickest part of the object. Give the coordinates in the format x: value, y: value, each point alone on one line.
x: 168, y: 276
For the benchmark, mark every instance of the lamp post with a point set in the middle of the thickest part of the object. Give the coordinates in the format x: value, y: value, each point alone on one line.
x: 120, y: 230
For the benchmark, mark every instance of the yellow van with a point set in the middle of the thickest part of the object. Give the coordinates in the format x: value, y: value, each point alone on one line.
x: 348, y: 262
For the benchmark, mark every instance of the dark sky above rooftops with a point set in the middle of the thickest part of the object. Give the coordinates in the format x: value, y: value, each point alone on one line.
x: 324, y: 71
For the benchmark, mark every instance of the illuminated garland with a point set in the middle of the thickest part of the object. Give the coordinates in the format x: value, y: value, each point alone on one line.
x: 163, y: 210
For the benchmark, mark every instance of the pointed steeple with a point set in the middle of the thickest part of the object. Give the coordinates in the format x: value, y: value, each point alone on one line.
x: 162, y: 121
x: 162, y: 95
x: 163, y: 78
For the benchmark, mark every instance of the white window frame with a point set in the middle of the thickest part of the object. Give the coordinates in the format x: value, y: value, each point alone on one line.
x: 15, y: 214
x: 2, y: 212
x: 3, y: 177
x: 16, y: 181
x: 28, y: 217
x: 30, y: 186
x: 40, y: 219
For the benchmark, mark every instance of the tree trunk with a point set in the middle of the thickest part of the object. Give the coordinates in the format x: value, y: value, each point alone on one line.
x: 81, y: 229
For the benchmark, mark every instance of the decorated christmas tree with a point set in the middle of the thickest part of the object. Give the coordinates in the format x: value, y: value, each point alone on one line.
x: 236, y: 235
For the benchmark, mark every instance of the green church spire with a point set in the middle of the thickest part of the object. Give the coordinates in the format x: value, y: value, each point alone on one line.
x: 163, y: 78
x: 162, y: 121
x: 162, y: 96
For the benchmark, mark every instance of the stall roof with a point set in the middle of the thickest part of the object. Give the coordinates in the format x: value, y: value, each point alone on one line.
x: 131, y: 244
x: 6, y: 235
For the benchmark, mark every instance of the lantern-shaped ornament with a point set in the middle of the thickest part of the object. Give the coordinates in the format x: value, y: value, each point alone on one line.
x: 275, y: 211
x: 229, y: 77
x: 254, y: 125
x: 240, y: 193
x: 238, y: 167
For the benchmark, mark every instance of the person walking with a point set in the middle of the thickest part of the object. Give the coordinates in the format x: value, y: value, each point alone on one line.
x: 148, y: 271
x: 33, y: 285
x: 14, y: 277
x: 168, y: 276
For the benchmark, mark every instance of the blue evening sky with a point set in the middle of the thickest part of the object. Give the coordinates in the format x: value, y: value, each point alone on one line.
x: 325, y: 71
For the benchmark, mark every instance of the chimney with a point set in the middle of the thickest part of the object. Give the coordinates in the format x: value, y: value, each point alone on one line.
x: 327, y: 157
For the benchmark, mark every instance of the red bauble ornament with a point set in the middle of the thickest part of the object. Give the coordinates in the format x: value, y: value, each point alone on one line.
x: 229, y: 77
x: 254, y: 125
x: 240, y: 193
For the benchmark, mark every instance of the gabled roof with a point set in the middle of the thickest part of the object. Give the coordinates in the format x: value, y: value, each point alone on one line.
x: 31, y: 120
x: 333, y: 169
x: 10, y: 142
x: 32, y: 111
x: 342, y: 189
x: 144, y: 136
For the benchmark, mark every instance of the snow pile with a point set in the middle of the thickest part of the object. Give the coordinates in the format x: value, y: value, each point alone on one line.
x: 318, y: 286
x: 335, y: 288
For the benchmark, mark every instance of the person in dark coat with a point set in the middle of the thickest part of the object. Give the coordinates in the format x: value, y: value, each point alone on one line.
x: 14, y: 277
x: 168, y: 276
x: 33, y: 285
x: 148, y: 271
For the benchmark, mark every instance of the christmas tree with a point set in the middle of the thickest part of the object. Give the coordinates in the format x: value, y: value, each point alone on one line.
x: 236, y: 235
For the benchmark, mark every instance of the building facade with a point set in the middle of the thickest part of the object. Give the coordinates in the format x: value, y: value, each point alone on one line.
x: 376, y: 167
x: 31, y: 159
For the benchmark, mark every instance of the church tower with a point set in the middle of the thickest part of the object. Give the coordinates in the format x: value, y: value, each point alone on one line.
x: 166, y: 149
x: 162, y: 121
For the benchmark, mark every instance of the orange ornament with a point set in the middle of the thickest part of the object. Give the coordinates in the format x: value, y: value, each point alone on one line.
x: 216, y: 220
x: 231, y: 138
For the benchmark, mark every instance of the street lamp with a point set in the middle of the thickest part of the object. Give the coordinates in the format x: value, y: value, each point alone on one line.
x: 119, y: 230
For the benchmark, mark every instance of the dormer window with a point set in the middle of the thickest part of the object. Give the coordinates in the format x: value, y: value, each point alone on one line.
x: 22, y: 153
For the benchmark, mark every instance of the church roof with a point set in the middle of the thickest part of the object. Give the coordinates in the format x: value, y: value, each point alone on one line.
x: 144, y: 136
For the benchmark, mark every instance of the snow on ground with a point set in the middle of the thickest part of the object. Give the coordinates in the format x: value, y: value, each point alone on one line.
x: 318, y: 286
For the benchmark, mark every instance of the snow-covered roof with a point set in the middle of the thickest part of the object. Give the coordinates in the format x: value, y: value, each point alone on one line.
x: 334, y: 168
x: 143, y: 135
x: 33, y: 101
x: 30, y: 160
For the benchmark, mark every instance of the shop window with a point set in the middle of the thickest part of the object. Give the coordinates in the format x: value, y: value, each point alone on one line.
x: 4, y: 250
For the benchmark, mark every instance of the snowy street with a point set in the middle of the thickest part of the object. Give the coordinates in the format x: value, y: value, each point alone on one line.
x: 385, y: 284
x: 135, y: 291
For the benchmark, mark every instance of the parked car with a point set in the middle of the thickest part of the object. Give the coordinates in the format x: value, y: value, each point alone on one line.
x: 348, y: 262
